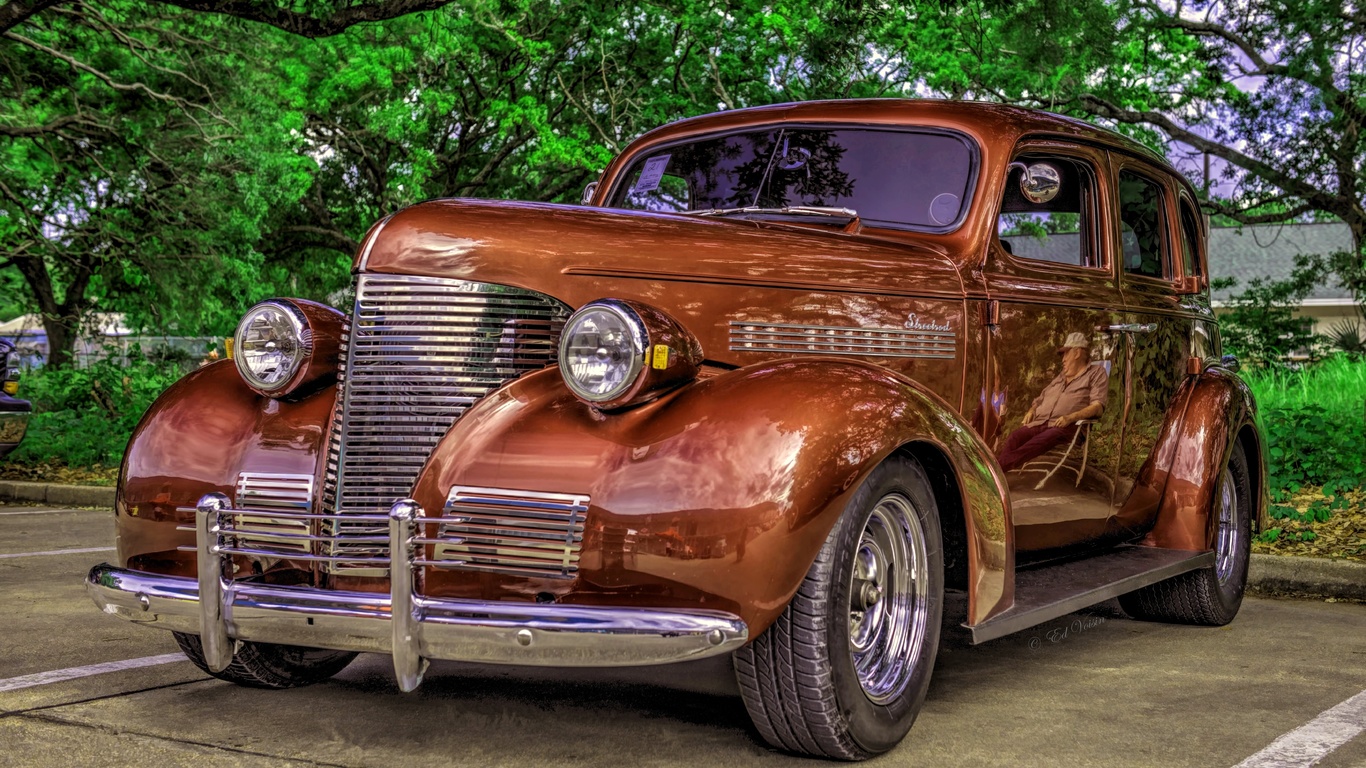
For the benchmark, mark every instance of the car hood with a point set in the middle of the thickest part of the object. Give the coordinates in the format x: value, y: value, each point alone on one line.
x: 578, y: 253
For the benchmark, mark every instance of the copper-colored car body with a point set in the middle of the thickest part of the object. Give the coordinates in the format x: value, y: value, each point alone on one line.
x: 718, y: 493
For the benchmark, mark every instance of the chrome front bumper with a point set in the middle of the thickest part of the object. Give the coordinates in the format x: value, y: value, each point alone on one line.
x: 410, y: 627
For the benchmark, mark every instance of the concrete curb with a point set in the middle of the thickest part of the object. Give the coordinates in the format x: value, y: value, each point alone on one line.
x: 57, y: 494
x: 1313, y: 576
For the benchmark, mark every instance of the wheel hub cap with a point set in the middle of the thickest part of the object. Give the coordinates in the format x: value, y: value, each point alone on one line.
x: 888, y: 598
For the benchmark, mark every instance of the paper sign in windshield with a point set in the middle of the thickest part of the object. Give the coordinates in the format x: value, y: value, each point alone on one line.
x: 651, y: 174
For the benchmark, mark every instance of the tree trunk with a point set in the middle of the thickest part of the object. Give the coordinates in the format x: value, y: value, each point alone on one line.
x: 61, y: 321
x: 61, y: 339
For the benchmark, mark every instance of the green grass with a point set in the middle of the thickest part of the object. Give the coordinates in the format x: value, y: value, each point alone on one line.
x: 1314, y: 422
x: 1337, y: 384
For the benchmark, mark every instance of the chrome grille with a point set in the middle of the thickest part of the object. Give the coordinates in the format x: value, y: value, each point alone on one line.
x: 520, y: 532
x: 833, y: 340
x: 420, y: 352
x: 261, y: 493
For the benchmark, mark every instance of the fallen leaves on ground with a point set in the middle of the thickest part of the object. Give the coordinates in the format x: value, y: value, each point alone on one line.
x: 1342, y: 535
x: 57, y: 473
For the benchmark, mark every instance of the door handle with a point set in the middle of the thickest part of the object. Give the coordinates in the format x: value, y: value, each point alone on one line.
x: 1133, y: 327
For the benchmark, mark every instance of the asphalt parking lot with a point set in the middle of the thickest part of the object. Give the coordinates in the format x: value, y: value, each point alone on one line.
x: 1095, y: 689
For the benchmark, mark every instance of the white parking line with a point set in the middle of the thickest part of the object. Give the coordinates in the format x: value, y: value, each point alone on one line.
x: 71, y: 673
x: 1312, y: 741
x: 58, y: 552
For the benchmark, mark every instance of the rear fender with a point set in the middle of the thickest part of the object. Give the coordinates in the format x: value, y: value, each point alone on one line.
x: 1220, y: 412
x: 721, y: 493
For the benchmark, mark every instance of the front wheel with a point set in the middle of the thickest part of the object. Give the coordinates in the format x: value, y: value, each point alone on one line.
x: 1210, y: 596
x: 265, y: 665
x: 843, y: 672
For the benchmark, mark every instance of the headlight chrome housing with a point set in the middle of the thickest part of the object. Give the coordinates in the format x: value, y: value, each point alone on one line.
x: 616, y: 353
x: 288, y: 346
x: 602, y: 350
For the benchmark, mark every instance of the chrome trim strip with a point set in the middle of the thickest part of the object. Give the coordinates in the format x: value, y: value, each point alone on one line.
x: 798, y: 326
x: 788, y: 338
x: 527, y: 533
x: 834, y: 352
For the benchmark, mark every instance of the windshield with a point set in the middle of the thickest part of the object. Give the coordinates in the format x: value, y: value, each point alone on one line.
x: 891, y: 178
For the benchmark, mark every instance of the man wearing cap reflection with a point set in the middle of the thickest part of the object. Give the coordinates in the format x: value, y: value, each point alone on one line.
x: 1077, y: 393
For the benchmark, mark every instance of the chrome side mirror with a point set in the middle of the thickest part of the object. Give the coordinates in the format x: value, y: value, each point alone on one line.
x: 589, y: 191
x: 1039, y: 182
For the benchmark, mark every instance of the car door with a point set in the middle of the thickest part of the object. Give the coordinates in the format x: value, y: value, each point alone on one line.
x: 1051, y: 280
x: 1158, y: 328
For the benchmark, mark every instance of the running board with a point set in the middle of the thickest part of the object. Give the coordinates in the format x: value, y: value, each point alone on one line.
x: 1047, y: 592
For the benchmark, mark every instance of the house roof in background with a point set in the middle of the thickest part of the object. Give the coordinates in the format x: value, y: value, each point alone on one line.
x: 1269, y: 251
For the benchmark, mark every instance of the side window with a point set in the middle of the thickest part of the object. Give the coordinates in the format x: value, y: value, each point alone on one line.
x: 1190, y: 242
x: 1058, y: 231
x: 1140, y: 225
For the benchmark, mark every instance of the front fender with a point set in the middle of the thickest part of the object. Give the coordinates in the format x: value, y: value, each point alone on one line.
x: 198, y: 437
x: 1220, y: 410
x: 721, y: 493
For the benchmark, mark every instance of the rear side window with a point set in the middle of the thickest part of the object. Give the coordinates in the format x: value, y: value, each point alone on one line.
x: 1190, y: 242
x: 1140, y: 225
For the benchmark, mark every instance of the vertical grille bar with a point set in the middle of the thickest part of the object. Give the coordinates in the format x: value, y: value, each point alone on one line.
x: 420, y: 352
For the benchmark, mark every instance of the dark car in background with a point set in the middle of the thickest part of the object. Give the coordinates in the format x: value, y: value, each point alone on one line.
x: 14, y: 412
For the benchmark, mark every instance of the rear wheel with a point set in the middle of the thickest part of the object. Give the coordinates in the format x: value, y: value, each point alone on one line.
x: 264, y: 665
x: 843, y: 672
x: 1210, y: 596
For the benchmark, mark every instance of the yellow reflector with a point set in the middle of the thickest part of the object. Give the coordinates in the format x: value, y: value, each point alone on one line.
x: 11, y: 387
x: 227, y: 346
x: 660, y: 358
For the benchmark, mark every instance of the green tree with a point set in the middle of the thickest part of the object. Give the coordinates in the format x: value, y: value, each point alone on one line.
x: 1272, y: 90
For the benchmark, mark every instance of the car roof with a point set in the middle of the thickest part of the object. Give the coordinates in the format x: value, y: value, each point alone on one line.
x: 1001, y: 119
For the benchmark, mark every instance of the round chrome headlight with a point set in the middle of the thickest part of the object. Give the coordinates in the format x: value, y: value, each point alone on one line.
x: 602, y: 350
x: 271, y: 345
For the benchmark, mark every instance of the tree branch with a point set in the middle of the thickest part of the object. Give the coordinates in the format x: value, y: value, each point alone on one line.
x: 1210, y: 29
x: 326, y: 237
x: 304, y: 24
x: 1239, y: 215
x: 1297, y: 187
x: 16, y: 12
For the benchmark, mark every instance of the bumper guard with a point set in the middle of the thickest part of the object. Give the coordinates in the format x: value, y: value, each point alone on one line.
x: 410, y: 627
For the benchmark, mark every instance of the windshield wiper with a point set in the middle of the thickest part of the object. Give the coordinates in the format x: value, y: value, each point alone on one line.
x: 840, y: 216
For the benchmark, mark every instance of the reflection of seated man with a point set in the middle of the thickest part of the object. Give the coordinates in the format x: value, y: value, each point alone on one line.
x: 1078, y: 392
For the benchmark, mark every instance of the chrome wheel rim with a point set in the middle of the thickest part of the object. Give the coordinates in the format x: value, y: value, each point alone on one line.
x: 1229, y: 538
x: 888, y: 599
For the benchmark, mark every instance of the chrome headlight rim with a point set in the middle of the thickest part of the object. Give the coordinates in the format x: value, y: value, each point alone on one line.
x: 638, y: 337
x: 303, y: 336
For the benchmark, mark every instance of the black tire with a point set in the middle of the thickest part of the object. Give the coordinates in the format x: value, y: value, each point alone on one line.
x: 799, y: 679
x: 264, y: 665
x: 1202, y: 597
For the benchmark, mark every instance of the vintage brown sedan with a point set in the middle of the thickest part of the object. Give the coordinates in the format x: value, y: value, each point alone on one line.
x: 788, y: 375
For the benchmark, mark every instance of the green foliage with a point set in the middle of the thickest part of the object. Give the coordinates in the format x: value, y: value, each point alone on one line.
x: 1314, y: 423
x: 1309, y: 445
x: 180, y: 166
x: 1349, y: 338
x: 1260, y: 325
x: 85, y: 416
